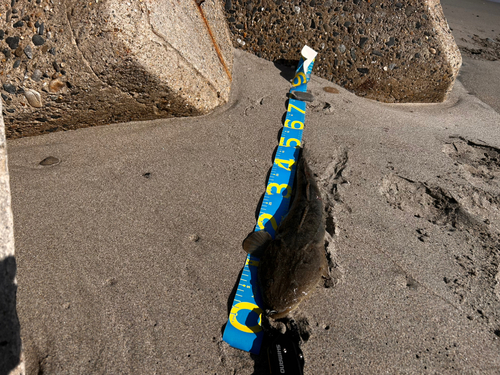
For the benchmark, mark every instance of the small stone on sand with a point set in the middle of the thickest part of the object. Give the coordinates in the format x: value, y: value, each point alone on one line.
x: 50, y: 161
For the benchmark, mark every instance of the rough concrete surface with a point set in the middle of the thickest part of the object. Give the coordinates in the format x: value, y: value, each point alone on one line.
x: 69, y: 64
x: 10, y: 333
x: 391, y: 51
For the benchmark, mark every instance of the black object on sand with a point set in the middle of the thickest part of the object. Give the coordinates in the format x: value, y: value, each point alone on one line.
x: 285, y: 356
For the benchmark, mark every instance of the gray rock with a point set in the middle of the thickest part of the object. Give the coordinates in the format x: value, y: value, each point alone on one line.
x: 38, y: 40
x: 353, y: 54
x: 6, y: 52
x: 28, y: 52
x: 12, y: 41
x: 409, y: 10
x: 10, y: 88
x: 37, y: 75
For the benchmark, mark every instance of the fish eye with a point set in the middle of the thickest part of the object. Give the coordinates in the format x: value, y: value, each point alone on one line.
x: 270, y: 312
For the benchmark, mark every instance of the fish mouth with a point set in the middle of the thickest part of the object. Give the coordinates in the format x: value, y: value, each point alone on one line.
x: 276, y: 314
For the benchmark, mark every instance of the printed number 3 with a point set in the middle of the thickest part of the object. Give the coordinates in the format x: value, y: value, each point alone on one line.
x: 279, y: 188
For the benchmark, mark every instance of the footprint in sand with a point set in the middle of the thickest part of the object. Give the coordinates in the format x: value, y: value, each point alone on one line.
x: 477, y: 161
x: 469, y: 212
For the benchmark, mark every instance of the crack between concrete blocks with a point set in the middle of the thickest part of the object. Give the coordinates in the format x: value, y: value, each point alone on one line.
x: 73, y: 41
x: 167, y: 45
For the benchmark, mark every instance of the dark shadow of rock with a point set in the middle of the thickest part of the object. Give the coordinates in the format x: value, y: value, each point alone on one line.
x: 287, y: 68
x: 10, y: 332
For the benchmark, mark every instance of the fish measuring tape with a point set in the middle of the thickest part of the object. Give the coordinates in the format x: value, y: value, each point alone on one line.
x: 243, y: 329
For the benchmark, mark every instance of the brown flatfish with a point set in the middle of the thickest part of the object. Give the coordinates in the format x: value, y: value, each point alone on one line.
x: 294, y: 262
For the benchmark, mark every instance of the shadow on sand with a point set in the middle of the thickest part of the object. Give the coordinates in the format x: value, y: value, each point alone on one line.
x: 10, y: 330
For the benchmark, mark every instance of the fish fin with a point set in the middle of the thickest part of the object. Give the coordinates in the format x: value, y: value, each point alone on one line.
x: 303, y: 152
x: 257, y: 242
x: 328, y: 281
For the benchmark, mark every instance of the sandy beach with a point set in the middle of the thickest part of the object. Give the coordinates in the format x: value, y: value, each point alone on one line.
x: 128, y: 249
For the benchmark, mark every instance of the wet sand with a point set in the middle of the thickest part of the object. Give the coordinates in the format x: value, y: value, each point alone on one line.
x: 128, y: 249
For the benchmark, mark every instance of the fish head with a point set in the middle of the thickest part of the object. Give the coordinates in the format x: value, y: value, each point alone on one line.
x: 288, y: 275
x: 281, y: 291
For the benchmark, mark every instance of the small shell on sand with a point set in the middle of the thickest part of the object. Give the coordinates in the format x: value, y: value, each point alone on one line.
x: 55, y: 85
x: 51, y: 160
x: 33, y: 97
x: 194, y: 238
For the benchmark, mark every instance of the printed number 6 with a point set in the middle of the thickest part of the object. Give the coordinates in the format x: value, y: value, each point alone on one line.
x: 297, y: 125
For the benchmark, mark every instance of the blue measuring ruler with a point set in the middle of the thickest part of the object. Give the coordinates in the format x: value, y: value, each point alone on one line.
x: 243, y: 329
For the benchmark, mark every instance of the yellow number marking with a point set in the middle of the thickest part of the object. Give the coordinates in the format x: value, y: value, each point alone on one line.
x: 290, y: 106
x: 260, y: 221
x: 279, y: 188
x: 281, y: 162
x: 254, y: 263
x: 289, y: 141
x: 292, y: 125
x: 245, y: 306
x: 301, y: 78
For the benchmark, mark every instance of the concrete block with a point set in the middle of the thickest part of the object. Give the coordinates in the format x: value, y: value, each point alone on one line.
x: 68, y: 64
x: 10, y: 336
x: 391, y: 51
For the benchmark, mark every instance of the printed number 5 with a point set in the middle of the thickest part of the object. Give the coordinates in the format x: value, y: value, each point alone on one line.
x: 300, y: 77
x: 289, y: 142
